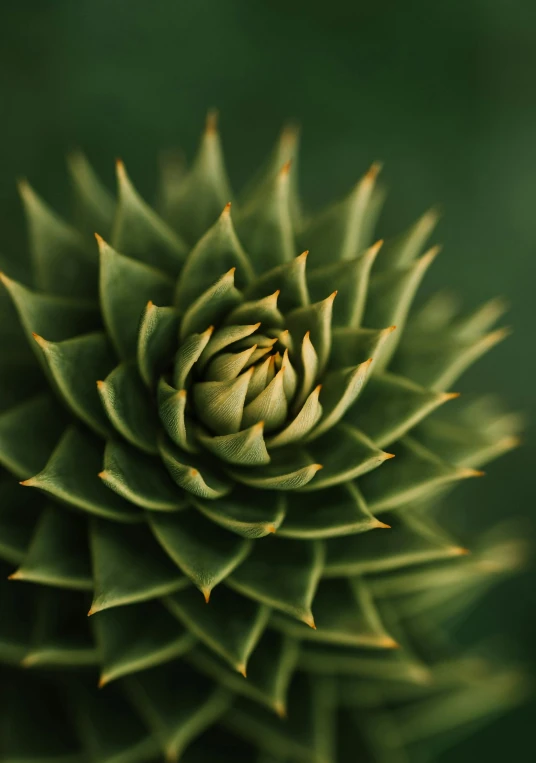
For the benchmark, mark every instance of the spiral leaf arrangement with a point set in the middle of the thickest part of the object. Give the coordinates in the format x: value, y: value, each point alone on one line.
x: 199, y: 410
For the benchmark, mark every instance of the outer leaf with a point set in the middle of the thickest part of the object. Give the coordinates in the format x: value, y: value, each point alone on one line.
x: 70, y: 475
x: 216, y: 252
x: 352, y: 346
x: 264, y: 310
x: 345, y: 453
x: 58, y: 554
x: 140, y: 233
x: 231, y: 625
x: 339, y: 510
x: 176, y: 717
x: 75, y: 365
x: 188, y: 354
x: 129, y: 407
x: 129, y: 566
x: 403, y: 250
x: 289, y: 279
x: 295, y: 571
x: 125, y: 288
x: 224, y: 338
x: 287, y: 471
x: 63, y: 262
x: 205, y: 189
x: 270, y: 670
x: 265, y: 224
x: 249, y: 513
x: 29, y: 433
x: 392, y: 405
x: 207, y: 554
x: 157, y: 340
x: 345, y: 614
x: 136, y: 638
x: 343, y: 230
x: 172, y: 412
x: 415, y: 474
x: 412, y: 540
x: 57, y: 318
x: 94, y: 205
x: 140, y: 479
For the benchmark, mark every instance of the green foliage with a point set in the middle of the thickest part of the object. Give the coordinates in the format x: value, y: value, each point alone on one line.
x: 199, y: 386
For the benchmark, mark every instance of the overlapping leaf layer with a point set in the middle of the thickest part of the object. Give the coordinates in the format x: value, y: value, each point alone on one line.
x: 199, y: 414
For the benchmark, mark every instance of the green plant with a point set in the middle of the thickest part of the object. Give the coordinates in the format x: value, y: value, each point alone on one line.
x: 198, y: 414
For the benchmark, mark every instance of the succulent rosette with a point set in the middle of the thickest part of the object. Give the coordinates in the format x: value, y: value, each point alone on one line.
x: 200, y: 406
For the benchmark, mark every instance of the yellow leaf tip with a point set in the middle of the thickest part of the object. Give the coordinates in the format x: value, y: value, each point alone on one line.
x: 103, y: 680
x: 211, y: 123
x: 388, y: 642
x: 459, y: 551
x: 17, y: 575
x: 280, y: 709
x: 206, y: 593
x: 387, y: 456
x: 285, y: 169
x: 242, y: 670
x: 310, y: 621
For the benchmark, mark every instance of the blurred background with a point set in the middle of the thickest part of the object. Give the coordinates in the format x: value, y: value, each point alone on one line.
x: 442, y: 93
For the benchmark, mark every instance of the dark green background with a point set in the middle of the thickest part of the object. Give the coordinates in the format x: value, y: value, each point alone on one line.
x: 442, y: 92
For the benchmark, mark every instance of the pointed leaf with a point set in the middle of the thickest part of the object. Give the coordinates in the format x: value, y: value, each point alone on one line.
x: 28, y: 434
x: 345, y: 614
x: 249, y: 513
x: 172, y: 412
x: 340, y: 390
x: 188, y: 354
x: 300, y: 426
x: 129, y: 407
x: 220, y: 405
x: 405, y: 248
x: 230, y: 625
x: 353, y: 346
x: 129, y: 566
x: 205, y: 190
x: 206, y: 553
x: 264, y: 310
x: 58, y: 554
x: 94, y: 205
x: 415, y: 473
x: 141, y: 234
x: 192, y: 473
x: 295, y: 569
x: 157, y: 341
x: 265, y: 224
x: 176, y: 707
x: 391, y: 406
x: 316, y: 319
x: 57, y: 318
x: 288, y: 470
x: 125, y: 288
x: 228, y: 365
x: 63, y: 262
x: 140, y: 479
x: 211, y: 306
x: 223, y: 338
x: 351, y: 279
x: 269, y: 407
x: 216, y: 252
x: 137, y: 638
x: 329, y: 513
x: 70, y: 475
x: 245, y: 448
x: 289, y: 279
x: 345, y: 453
x: 75, y: 365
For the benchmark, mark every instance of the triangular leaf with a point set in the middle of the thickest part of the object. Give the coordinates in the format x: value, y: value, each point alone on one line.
x: 157, y: 341
x: 192, y: 473
x: 249, y: 513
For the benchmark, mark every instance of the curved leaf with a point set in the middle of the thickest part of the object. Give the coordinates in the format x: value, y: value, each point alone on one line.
x: 405, y: 248
x: 129, y: 407
x: 345, y: 453
x: 329, y: 513
x: 353, y: 346
x: 231, y: 625
x: 216, y: 252
x: 70, y: 475
x: 140, y: 479
x: 188, y: 354
x: 245, y: 448
x: 136, y: 638
x: 28, y: 434
x: 141, y: 234
x: 295, y: 569
x: 264, y: 310
x: 94, y: 205
x: 265, y: 223
x: 58, y: 554
x: 286, y: 471
x: 129, y: 566
x: 157, y: 340
x: 206, y: 553
x: 211, y: 306
x: 75, y: 365
x: 300, y: 426
x: 63, y: 262
x: 192, y: 474
x: 269, y: 407
x: 289, y: 279
x: 172, y: 412
x: 126, y: 286
x: 316, y: 319
x: 223, y: 338
x: 249, y: 513
x: 220, y: 405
